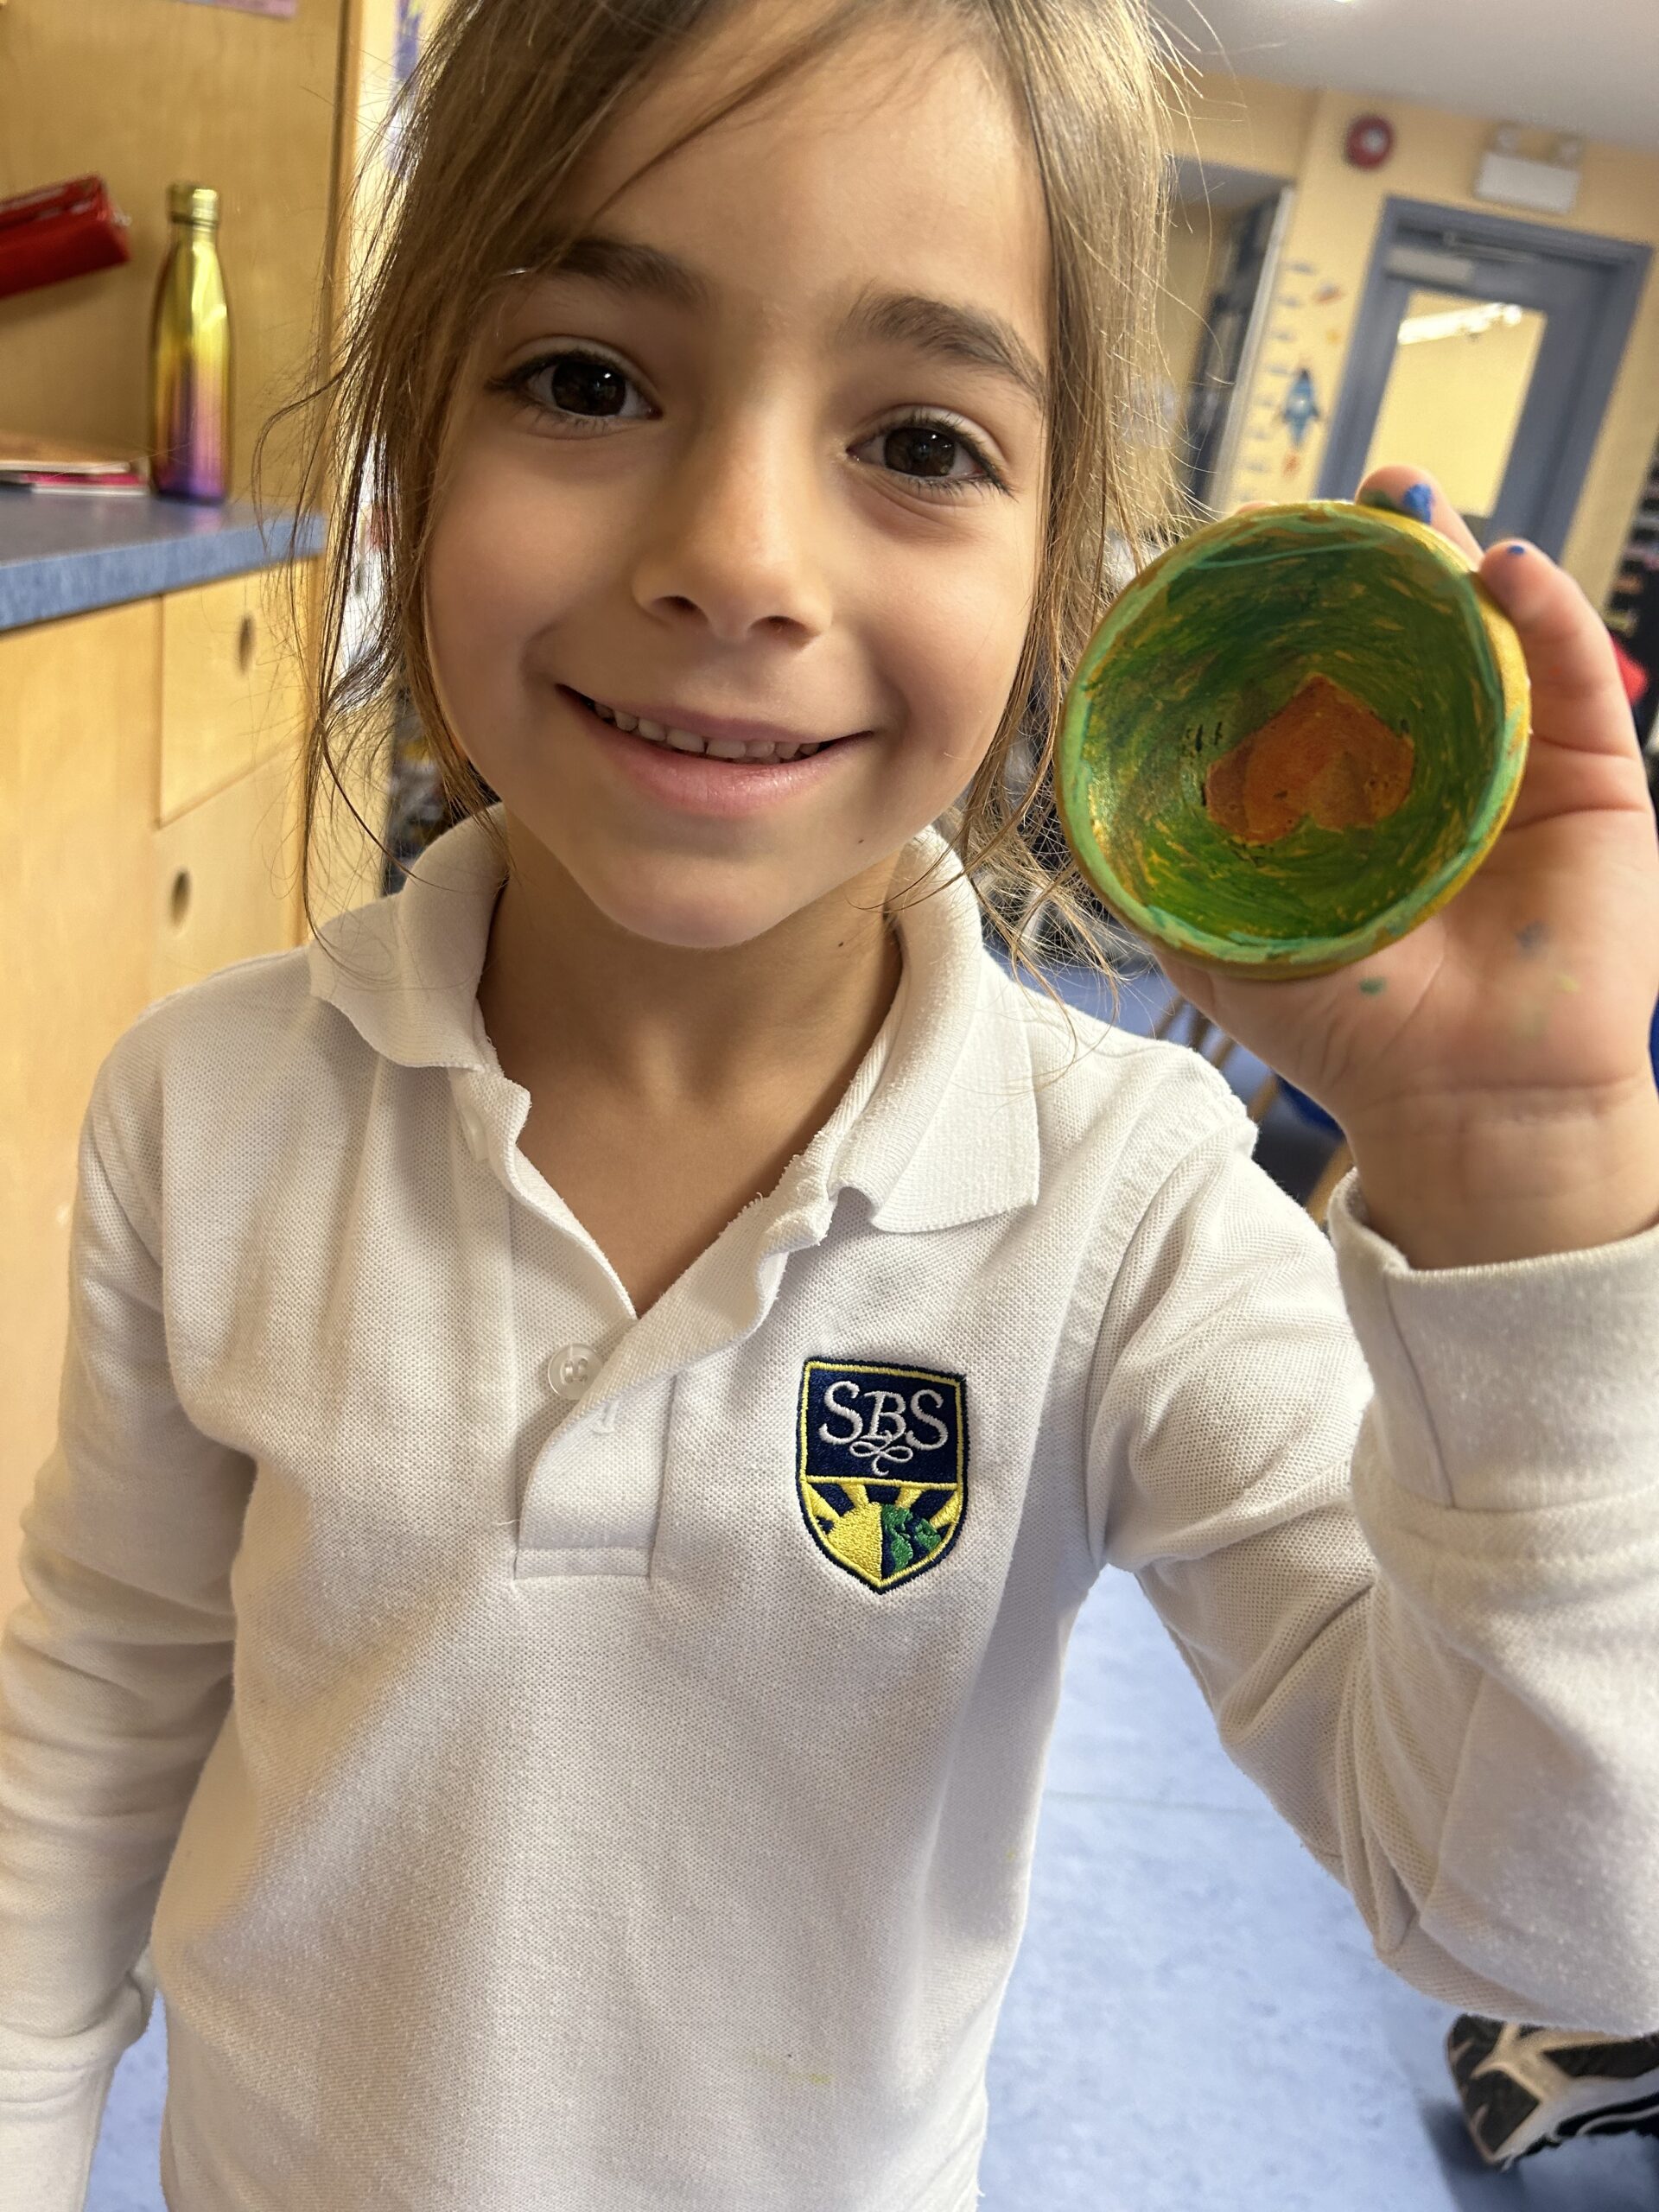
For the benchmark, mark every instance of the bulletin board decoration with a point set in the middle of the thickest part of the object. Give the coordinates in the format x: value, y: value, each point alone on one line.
x: 1291, y: 399
x: 1300, y: 411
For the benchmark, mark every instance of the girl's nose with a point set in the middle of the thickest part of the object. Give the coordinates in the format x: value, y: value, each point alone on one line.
x: 737, y: 538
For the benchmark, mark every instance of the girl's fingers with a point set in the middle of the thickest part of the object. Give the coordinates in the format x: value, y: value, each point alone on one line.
x: 1410, y: 492
x: 1576, y: 695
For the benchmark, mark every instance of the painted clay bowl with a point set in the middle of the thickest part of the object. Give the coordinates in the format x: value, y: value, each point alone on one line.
x: 1292, y: 738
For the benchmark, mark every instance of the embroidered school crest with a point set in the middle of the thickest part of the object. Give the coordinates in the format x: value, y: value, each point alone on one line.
x: 882, y: 1466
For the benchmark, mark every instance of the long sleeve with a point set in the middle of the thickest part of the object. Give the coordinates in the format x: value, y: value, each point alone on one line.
x: 1404, y: 1528
x: 114, y: 1680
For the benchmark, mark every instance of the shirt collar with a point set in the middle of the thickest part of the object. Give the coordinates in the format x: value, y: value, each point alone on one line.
x: 949, y: 1133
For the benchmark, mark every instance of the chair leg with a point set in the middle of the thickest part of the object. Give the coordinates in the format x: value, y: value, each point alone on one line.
x: 1264, y: 1099
x: 1335, y: 1167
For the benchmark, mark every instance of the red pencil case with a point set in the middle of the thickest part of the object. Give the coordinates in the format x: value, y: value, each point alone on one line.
x: 62, y: 230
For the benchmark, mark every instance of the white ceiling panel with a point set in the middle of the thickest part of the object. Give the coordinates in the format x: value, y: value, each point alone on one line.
x: 1585, y: 67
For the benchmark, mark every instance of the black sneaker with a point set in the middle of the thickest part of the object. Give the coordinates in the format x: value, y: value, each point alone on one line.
x: 1524, y: 2087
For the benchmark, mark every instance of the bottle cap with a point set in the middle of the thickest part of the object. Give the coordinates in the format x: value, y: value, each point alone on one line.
x: 195, y: 203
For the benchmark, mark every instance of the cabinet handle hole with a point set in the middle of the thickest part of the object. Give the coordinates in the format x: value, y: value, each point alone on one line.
x: 179, y: 902
x: 244, y: 639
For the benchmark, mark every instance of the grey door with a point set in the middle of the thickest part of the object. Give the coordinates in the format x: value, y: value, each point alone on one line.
x: 1484, y: 350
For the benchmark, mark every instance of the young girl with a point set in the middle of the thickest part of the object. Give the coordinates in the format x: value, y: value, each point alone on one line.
x: 597, y: 1388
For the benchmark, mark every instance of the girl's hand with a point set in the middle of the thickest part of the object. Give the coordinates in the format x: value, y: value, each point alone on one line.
x: 1490, y: 1070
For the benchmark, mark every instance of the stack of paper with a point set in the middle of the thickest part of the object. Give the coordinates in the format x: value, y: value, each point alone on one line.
x: 32, y: 463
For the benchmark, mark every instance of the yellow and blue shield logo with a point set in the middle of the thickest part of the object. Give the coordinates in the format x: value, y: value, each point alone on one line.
x: 882, y: 1466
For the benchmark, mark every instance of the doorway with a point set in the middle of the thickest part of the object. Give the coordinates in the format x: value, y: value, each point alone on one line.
x: 1484, y: 352
x: 1245, y: 214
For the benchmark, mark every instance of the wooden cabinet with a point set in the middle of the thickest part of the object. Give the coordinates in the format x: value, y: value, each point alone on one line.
x: 149, y: 779
x: 150, y: 752
x: 79, y: 722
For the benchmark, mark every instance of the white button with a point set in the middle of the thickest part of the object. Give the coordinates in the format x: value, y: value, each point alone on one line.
x: 570, y: 1369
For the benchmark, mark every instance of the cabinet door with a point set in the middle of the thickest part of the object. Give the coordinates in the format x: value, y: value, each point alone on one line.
x: 233, y: 688
x: 235, y: 695
x: 80, y: 740
x: 224, y: 877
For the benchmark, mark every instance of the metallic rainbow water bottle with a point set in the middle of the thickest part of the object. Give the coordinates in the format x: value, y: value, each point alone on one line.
x: 190, y: 355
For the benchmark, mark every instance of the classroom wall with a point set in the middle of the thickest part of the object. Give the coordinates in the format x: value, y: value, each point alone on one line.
x: 1298, y: 135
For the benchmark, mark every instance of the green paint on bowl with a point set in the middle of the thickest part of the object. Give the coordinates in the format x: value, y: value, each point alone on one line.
x: 1212, y: 640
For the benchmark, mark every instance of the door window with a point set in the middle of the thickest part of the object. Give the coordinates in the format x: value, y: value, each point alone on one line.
x: 1461, y: 372
x: 1484, y: 352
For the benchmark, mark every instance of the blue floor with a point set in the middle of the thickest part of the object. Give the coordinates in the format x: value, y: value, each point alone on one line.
x: 1195, y: 2022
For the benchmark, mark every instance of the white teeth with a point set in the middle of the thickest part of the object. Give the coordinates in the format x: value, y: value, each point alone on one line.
x: 719, y: 748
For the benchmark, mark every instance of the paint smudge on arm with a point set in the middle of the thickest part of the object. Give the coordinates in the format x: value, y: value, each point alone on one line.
x: 1373, y: 986
x: 1534, y: 937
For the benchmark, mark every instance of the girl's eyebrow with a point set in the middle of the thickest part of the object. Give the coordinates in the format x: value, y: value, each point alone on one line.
x: 947, y: 329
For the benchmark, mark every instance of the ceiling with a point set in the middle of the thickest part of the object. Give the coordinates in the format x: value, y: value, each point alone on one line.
x: 1589, y: 67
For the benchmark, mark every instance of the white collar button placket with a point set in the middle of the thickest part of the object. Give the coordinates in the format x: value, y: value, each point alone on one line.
x: 570, y: 1369
x: 470, y: 1118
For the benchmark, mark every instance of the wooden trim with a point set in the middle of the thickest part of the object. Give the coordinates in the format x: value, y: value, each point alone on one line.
x: 1335, y: 1167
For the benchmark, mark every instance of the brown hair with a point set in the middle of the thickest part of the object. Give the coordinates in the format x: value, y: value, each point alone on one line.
x: 508, y: 97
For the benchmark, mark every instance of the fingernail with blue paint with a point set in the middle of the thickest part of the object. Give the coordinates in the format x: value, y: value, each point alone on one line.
x: 1418, y: 502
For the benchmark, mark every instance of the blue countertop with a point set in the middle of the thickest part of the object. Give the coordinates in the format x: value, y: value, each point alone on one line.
x: 66, y: 553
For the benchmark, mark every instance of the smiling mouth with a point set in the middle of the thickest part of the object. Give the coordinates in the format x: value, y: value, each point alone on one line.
x: 713, y: 748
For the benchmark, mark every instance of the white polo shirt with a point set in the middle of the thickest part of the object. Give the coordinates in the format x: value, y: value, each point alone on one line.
x: 583, y: 1763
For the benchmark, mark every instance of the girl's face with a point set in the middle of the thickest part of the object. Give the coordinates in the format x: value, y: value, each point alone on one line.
x: 810, y: 496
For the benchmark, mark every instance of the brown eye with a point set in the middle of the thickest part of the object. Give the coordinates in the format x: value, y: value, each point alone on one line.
x: 925, y: 448
x: 919, y: 452
x: 583, y: 386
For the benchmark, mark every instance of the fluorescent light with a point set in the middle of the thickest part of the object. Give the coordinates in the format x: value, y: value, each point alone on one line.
x: 1459, y: 322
